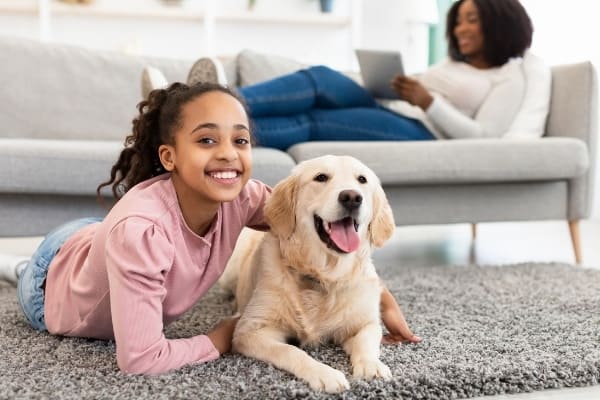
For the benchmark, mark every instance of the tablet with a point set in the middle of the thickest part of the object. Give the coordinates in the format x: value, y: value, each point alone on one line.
x: 377, y: 69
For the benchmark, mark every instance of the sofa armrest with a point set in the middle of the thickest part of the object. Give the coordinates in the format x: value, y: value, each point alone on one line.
x: 574, y: 113
x: 574, y: 102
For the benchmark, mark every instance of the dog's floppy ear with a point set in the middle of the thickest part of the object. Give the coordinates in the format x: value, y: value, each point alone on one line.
x: 280, y: 209
x: 382, y: 225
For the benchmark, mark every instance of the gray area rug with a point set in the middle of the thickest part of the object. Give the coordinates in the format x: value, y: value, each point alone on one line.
x: 487, y: 330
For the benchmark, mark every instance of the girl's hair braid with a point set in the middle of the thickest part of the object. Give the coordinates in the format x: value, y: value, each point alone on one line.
x: 159, y: 117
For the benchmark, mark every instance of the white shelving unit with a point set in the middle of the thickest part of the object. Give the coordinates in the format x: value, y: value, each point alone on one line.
x: 293, y: 28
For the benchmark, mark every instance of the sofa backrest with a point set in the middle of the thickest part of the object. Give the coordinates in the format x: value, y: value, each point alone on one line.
x: 65, y: 92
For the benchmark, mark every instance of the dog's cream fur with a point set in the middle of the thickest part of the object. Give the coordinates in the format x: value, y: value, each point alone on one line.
x: 290, y: 285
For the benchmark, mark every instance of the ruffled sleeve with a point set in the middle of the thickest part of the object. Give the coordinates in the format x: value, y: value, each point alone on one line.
x: 256, y: 194
x: 138, y: 256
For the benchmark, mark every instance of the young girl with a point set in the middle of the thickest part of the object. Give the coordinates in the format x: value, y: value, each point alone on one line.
x: 185, y: 193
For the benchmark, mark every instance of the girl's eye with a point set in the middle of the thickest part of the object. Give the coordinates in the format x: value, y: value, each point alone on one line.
x: 321, y: 178
x: 242, y: 141
x: 206, y: 140
x: 362, y: 179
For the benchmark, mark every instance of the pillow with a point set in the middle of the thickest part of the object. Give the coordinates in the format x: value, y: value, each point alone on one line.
x: 152, y: 78
x: 255, y: 67
x: 530, y: 120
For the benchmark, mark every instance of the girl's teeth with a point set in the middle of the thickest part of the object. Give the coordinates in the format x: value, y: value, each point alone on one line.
x: 224, y: 175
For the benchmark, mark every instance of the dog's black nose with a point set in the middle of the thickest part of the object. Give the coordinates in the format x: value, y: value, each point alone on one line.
x: 350, y: 199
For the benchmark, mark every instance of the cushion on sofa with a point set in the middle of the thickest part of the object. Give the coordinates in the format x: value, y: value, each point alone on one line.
x: 254, y: 67
x: 461, y: 161
x: 152, y: 78
x: 79, y: 94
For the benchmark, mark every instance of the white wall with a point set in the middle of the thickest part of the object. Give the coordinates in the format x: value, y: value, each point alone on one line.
x: 388, y: 24
x: 567, y: 32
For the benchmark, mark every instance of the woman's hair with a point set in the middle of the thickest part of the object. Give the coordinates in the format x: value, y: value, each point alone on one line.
x: 506, y: 29
x: 159, y: 117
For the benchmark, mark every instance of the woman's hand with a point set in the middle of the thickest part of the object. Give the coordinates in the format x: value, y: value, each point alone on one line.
x: 411, y: 90
x: 394, y: 321
x: 222, y: 334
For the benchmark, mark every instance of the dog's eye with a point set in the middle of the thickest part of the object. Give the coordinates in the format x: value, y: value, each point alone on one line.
x: 321, y: 178
x: 362, y: 179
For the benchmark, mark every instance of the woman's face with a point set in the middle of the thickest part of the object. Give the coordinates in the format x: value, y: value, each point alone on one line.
x: 467, y: 30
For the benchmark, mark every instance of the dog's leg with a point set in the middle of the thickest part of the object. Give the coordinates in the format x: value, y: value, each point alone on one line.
x: 269, y: 345
x: 363, y: 349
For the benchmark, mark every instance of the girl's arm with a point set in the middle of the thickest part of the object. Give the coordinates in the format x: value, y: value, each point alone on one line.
x: 138, y: 257
x: 394, y: 321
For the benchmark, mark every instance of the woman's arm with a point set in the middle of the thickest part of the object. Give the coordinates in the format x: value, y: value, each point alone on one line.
x: 501, y: 92
x: 492, y: 119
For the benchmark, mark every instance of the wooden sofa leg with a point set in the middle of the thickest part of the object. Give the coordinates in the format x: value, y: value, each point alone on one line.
x: 575, y: 239
x: 473, y: 231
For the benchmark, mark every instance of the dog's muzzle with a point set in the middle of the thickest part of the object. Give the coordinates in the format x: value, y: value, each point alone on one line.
x: 341, y: 236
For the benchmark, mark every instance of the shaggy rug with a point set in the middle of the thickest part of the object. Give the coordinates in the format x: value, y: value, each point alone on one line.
x: 487, y: 330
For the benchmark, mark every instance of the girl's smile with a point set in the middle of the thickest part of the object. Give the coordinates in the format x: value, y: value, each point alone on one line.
x: 211, y: 159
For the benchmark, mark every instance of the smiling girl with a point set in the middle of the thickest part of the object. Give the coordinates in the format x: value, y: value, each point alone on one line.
x: 184, y: 189
x: 184, y: 195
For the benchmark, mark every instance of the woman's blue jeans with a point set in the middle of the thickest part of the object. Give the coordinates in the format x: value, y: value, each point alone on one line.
x: 319, y: 103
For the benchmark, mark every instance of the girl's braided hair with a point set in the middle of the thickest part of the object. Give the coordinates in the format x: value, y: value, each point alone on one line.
x: 159, y: 117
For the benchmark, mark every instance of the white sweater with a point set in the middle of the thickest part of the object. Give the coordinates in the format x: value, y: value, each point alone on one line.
x: 507, y: 101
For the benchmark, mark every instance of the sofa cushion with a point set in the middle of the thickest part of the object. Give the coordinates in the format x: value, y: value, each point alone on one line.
x: 152, y: 78
x: 76, y: 167
x: 254, y: 67
x: 461, y: 161
x: 66, y: 92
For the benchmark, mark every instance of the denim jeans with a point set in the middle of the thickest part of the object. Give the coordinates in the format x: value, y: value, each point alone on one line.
x: 30, y: 288
x: 319, y: 103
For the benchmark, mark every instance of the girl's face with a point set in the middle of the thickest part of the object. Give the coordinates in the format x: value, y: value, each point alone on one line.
x: 211, y: 160
x: 467, y: 30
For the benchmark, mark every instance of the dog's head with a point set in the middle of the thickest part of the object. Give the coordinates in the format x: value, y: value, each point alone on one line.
x: 335, y: 200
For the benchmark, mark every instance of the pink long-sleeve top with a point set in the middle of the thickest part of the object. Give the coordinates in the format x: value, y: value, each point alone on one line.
x: 140, y: 269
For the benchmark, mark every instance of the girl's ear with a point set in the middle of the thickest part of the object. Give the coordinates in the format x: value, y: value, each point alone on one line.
x: 280, y: 209
x: 166, y: 154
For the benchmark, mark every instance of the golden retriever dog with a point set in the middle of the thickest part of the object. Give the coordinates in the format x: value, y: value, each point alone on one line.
x: 311, y: 278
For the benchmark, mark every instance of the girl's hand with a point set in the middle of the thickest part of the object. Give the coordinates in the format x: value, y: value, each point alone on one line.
x: 394, y: 321
x: 411, y: 90
x: 222, y: 334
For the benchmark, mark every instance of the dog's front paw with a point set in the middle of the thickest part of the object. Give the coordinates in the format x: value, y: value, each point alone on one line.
x: 369, y: 369
x: 323, y: 377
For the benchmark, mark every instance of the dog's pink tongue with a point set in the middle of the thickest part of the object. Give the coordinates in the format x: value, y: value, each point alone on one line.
x: 344, y: 235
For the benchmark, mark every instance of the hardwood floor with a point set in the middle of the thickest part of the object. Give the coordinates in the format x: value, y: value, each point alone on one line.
x: 496, y: 243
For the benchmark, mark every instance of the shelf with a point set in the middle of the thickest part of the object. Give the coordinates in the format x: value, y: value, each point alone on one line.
x: 18, y: 7
x: 209, y: 27
x: 171, y: 12
x: 102, y: 11
x: 108, y: 11
x: 316, y: 19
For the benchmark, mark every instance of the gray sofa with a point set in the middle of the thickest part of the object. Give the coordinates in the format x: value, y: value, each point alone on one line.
x: 66, y: 111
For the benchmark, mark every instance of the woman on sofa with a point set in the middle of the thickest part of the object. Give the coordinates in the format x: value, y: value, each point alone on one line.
x: 490, y: 86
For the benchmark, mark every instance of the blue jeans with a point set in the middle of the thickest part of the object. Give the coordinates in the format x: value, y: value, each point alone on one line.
x: 319, y: 103
x: 32, y: 280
